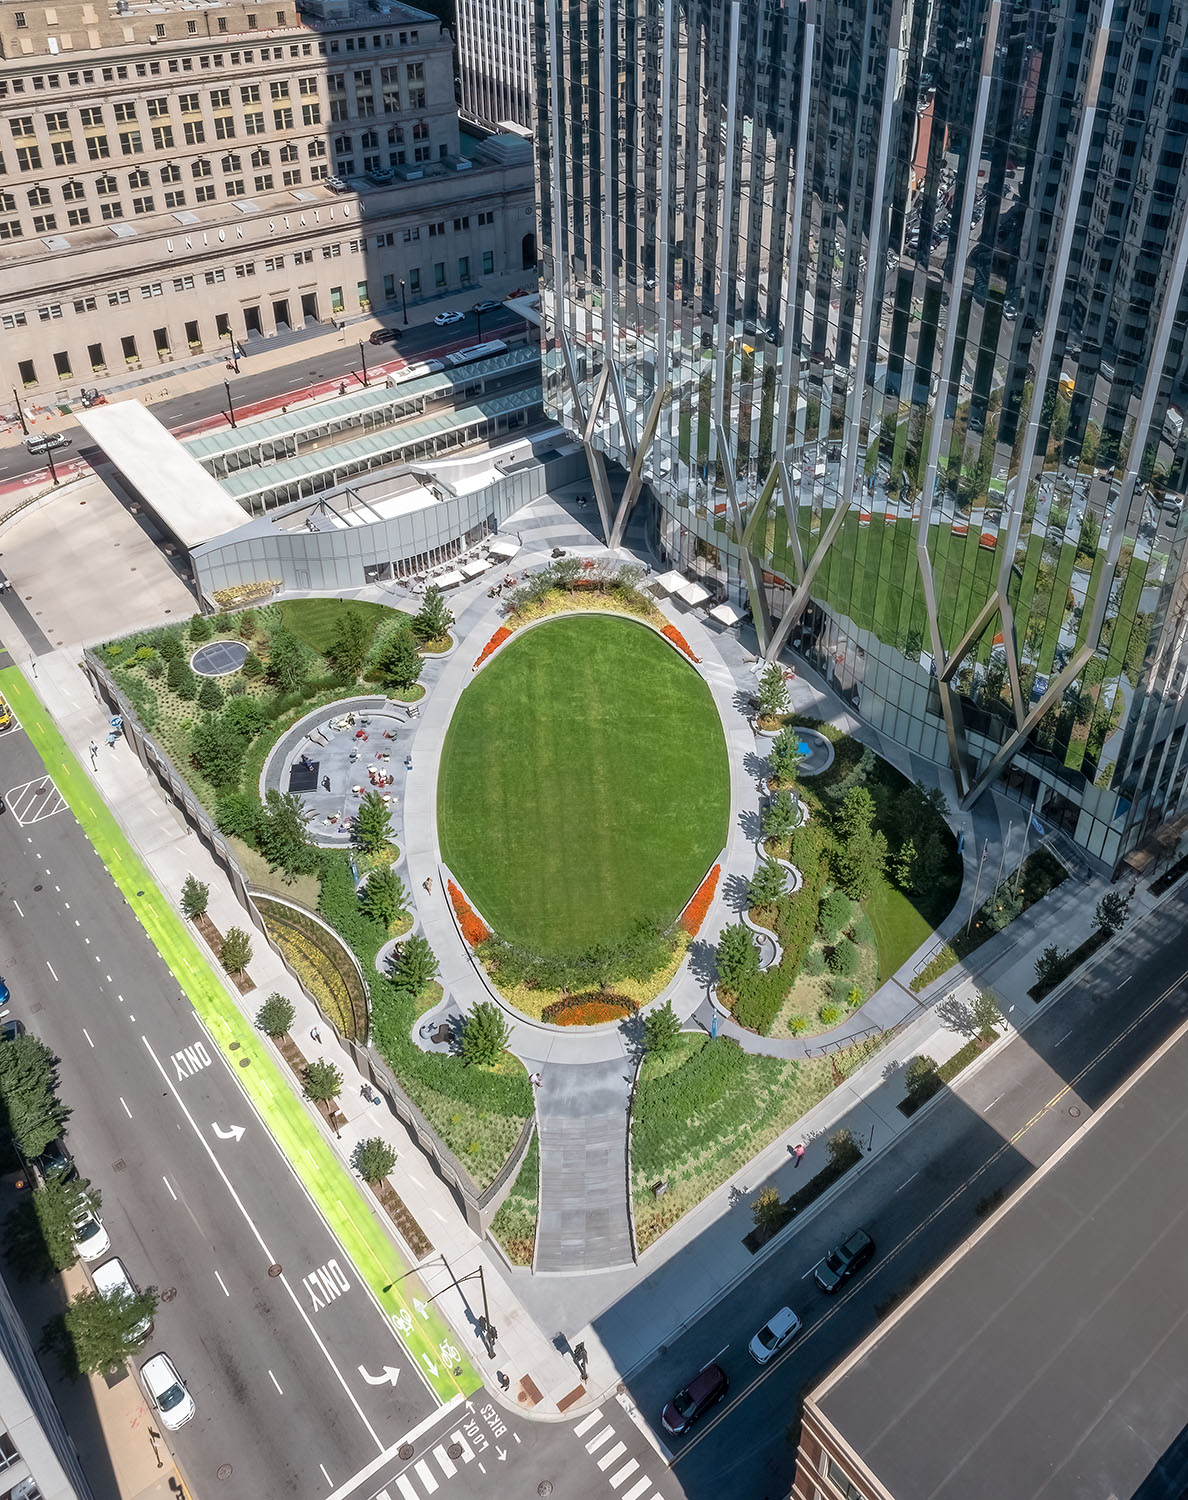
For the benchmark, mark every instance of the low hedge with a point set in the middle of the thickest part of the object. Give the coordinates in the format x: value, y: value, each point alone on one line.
x: 819, y: 1183
x: 588, y: 1010
x: 1069, y: 961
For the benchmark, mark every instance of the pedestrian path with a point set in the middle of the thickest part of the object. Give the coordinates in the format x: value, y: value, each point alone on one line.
x: 624, y: 1475
x: 422, y: 1478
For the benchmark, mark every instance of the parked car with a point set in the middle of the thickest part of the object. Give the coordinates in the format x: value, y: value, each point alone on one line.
x: 776, y: 1334
x: 47, y: 442
x: 91, y: 1240
x: 111, y: 1280
x: 488, y: 304
x: 706, y: 1389
x: 1169, y: 502
x: 844, y: 1259
x: 55, y: 1161
x: 444, y: 319
x: 11, y: 1028
x: 3, y: 992
x: 385, y: 336
x: 166, y: 1390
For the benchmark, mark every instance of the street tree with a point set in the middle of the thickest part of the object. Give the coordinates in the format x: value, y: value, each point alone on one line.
x: 384, y: 897
x: 1111, y: 913
x: 485, y: 1033
x: 288, y: 663
x: 1049, y: 965
x: 399, y: 664
x: 434, y: 618
x: 322, y: 1081
x: 195, y: 896
x: 767, y: 1209
x: 97, y: 1334
x: 237, y: 950
x: 921, y: 1079
x: 662, y: 1027
x: 30, y: 1111
x: 782, y: 817
x: 373, y: 823
x: 373, y: 1159
x: 413, y: 965
x: 39, y: 1232
x: 737, y: 957
x: 843, y: 1149
x: 275, y: 1016
x: 773, y: 695
x: 348, y: 649
x: 985, y: 1011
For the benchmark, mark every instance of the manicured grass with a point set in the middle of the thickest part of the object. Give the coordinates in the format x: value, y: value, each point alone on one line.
x: 584, y: 784
x: 324, y: 1176
x: 315, y: 621
x: 899, y: 927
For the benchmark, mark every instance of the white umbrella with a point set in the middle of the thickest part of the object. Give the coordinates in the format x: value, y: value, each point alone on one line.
x: 669, y: 582
x: 449, y: 580
x: 474, y: 568
x: 504, y: 546
x: 725, y: 614
x: 693, y: 593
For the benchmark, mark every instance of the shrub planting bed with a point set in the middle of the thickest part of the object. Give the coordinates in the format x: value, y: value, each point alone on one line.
x: 322, y: 965
x: 514, y: 1225
x: 848, y: 1155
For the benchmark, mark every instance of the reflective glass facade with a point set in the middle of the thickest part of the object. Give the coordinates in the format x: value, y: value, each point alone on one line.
x: 882, y: 307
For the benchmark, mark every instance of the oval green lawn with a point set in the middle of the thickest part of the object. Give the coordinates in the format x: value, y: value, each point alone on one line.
x: 584, y: 784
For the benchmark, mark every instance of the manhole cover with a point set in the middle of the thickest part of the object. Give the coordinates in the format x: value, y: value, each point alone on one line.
x: 276, y: 1270
x: 454, y: 1450
x: 119, y: 1166
x: 1075, y: 1112
x: 224, y: 1471
x: 234, y: 1046
x: 405, y: 1452
x: 245, y: 1062
x: 38, y: 888
x: 545, y: 1487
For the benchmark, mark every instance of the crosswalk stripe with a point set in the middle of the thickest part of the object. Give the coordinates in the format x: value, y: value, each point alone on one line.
x: 383, y: 1495
x: 467, y: 1450
x: 637, y: 1489
x: 586, y: 1423
x: 425, y: 1475
x: 443, y: 1458
x: 624, y: 1473
x: 404, y: 1485
x: 612, y: 1455
x: 597, y: 1442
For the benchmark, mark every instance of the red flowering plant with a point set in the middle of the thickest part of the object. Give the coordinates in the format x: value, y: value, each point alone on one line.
x: 670, y: 632
x: 694, y: 914
x: 474, y: 929
x: 588, y: 1010
x: 492, y: 645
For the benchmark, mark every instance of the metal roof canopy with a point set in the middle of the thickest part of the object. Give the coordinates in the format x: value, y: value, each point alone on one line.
x: 246, y: 484
x: 191, y: 505
x: 354, y: 405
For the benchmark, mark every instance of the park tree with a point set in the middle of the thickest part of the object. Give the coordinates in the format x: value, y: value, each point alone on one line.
x: 772, y: 694
x: 767, y: 883
x: 169, y: 648
x: 237, y: 951
x: 434, y: 618
x: 30, y: 1110
x: 930, y: 864
x: 384, y: 897
x: 240, y: 816
x: 373, y: 823
x: 217, y: 752
x: 199, y: 630
x: 856, y: 814
x: 859, y: 863
x: 903, y: 865
x: 843, y: 958
x: 413, y: 965
x: 662, y: 1027
x: 252, y: 667
x: 39, y: 1232
x: 322, y: 1081
x: 245, y: 717
x: 1111, y: 913
x: 283, y: 839
x: 195, y: 897
x: 485, y: 1033
x: 348, y: 649
x: 180, y: 680
x: 782, y: 817
x: 288, y: 663
x: 835, y: 915
x: 373, y: 1159
x: 737, y: 957
x: 246, y: 624
x: 1050, y: 964
x: 784, y: 757
x: 399, y: 664
x: 210, y: 696
x: 97, y: 1334
x: 275, y: 1016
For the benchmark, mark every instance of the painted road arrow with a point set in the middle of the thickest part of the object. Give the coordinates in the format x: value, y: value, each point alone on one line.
x: 420, y: 1307
x: 390, y: 1376
x: 236, y: 1132
x: 501, y: 1453
x: 429, y: 1365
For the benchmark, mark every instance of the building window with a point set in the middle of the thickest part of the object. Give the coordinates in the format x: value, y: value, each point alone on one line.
x: 97, y: 147
x: 119, y: 299
x: 175, y: 198
x: 234, y: 187
x: 262, y: 184
x: 158, y: 108
x: 12, y: 320
x: 125, y: 111
x: 44, y: 223
x: 151, y: 289
x: 194, y: 132
x: 414, y: 280
x: 162, y: 137
x: 303, y: 258
x: 38, y: 197
x: 160, y: 29
x: 19, y: 21
x: 108, y: 211
x: 191, y: 28
x: 436, y: 229
x: 222, y: 23
x: 250, y: 93
x: 106, y: 185
x: 130, y: 142
x: 224, y: 128
x: 311, y: 114
x: 248, y: 268
x: 142, y: 205
x: 171, y: 173
x: 488, y: 262
x: 331, y: 252
x: 439, y: 275
x: 213, y: 278
x: 62, y: 365
x: 253, y: 122
x: 291, y: 177
x: 72, y: 191
x: 461, y: 224
x: 422, y: 153
x: 336, y: 299
x: 282, y: 119
x: 488, y: 218
x: 49, y: 312
x: 316, y: 148
x: 26, y: 369
x: 201, y: 168
x: 183, y: 283
x: 138, y: 179
x: 95, y: 355
x: 77, y: 217
x: 128, y: 345
x: 63, y: 153
x: 204, y: 193
x: 28, y: 158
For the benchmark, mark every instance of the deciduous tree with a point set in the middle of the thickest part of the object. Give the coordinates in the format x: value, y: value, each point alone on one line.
x: 373, y: 1159
x: 195, y: 896
x: 275, y: 1016
x: 237, y: 950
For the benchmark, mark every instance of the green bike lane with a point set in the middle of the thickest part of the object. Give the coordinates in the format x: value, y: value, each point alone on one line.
x: 421, y: 1327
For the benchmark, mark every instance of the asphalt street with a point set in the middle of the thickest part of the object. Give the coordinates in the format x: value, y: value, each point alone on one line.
x: 299, y: 1379
x: 920, y: 1199
x: 418, y: 341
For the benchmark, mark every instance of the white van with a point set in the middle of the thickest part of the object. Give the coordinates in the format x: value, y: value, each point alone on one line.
x: 112, y: 1281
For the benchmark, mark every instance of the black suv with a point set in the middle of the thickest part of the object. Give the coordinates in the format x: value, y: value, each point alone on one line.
x: 384, y: 336
x: 841, y: 1262
x: 706, y: 1389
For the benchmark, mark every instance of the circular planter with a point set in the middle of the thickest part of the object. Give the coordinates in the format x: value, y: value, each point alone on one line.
x: 218, y: 658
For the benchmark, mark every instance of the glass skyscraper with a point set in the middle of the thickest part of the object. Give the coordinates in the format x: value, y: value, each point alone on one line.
x: 881, y: 307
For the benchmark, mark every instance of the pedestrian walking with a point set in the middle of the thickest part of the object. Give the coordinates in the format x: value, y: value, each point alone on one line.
x: 428, y: 884
x: 798, y: 1153
x: 580, y: 1358
x: 536, y: 1080
x: 316, y: 1034
x: 325, y: 783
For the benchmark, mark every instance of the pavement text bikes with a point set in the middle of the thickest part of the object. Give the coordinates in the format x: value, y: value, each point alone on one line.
x: 34, y: 800
x: 622, y: 1473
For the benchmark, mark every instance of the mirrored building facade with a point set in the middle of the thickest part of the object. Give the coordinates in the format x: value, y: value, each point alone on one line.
x: 881, y: 307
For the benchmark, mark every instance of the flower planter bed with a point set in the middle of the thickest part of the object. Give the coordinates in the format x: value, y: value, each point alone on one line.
x: 213, y: 938
x: 694, y: 914
x: 329, y: 977
x: 474, y: 929
x: 493, y: 645
x: 671, y: 633
x: 588, y: 1010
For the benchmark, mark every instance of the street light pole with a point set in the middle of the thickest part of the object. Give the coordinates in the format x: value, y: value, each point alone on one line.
x: 363, y: 357
x: 478, y: 322
x: 21, y: 410
x: 53, y: 472
x: 230, y: 403
x: 403, y: 306
x: 486, y: 1329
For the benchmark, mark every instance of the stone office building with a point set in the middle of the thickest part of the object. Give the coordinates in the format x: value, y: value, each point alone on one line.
x: 177, y: 174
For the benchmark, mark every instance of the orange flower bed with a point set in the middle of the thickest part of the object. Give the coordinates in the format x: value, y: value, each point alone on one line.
x: 671, y: 633
x: 694, y: 914
x: 588, y: 1010
x: 493, y: 644
x: 474, y: 929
